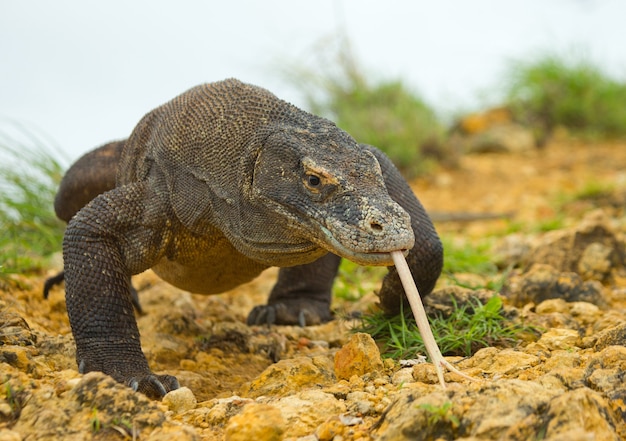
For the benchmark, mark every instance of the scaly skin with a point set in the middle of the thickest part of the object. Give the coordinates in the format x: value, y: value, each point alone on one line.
x: 213, y: 187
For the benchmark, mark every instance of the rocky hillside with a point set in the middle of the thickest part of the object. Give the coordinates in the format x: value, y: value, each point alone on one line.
x: 565, y: 381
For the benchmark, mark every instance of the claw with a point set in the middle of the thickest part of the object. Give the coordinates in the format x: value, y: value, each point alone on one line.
x: 154, y: 386
x: 156, y: 383
x: 133, y: 384
x: 293, y: 313
x: 52, y: 281
x: 302, y: 319
x: 81, y: 367
x: 134, y: 297
x: 262, y: 315
x: 255, y: 316
x: 271, y: 315
x: 175, y: 384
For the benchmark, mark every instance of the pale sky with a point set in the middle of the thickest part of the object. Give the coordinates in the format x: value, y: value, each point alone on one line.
x: 85, y: 72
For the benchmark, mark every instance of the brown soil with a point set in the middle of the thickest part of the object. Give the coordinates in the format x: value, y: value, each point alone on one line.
x: 530, y: 185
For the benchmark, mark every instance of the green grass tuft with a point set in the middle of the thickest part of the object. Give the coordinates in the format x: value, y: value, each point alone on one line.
x: 440, y: 414
x: 592, y: 190
x: 470, y: 327
x: 30, y: 172
x: 555, y: 90
x: 16, y: 398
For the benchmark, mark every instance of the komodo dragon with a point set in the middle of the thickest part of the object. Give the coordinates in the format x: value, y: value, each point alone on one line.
x: 210, y: 189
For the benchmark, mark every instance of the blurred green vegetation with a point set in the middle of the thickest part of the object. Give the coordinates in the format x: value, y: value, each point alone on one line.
x: 542, y: 92
x: 354, y: 281
x: 569, y: 91
x: 383, y: 113
x: 464, y: 257
x: 30, y: 171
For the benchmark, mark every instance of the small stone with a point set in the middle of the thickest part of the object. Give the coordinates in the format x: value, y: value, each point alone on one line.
x: 502, y: 362
x: 256, y: 422
x: 73, y: 382
x: 9, y: 435
x: 611, y: 337
x: 16, y: 356
x: 14, y: 330
x: 220, y: 410
x: 559, y: 338
x: 586, y: 313
x: 611, y: 356
x: 6, y: 410
x: 404, y: 375
x: 358, y: 357
x: 595, y: 262
x: 567, y: 377
x: 360, y: 403
x: 350, y: 420
x: 552, y: 305
x: 330, y: 429
x: 180, y: 400
x: 605, y: 380
x: 561, y: 359
x: 425, y: 373
x: 338, y: 390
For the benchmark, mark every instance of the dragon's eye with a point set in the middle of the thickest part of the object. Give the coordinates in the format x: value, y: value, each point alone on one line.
x: 313, y: 181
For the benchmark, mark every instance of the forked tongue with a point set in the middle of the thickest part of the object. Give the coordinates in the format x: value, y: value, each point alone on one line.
x: 419, y: 313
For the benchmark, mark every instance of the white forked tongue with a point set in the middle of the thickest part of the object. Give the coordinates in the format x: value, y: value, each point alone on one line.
x: 420, y: 317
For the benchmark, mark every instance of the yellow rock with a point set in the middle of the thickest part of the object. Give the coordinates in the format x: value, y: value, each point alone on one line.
x: 559, y: 338
x: 358, y: 357
x: 256, y: 422
x: 290, y: 375
x: 180, y: 400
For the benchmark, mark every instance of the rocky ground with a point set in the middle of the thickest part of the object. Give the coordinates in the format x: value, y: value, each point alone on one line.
x: 324, y: 383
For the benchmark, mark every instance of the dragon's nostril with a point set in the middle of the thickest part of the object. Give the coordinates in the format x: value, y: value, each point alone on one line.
x: 376, y: 226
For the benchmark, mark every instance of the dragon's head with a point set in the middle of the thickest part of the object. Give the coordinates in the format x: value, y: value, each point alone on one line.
x: 319, y: 186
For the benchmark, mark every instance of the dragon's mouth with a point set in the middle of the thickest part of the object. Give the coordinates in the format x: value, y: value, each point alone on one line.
x: 377, y: 258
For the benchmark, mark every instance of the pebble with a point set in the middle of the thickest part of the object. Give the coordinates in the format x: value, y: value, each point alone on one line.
x: 559, y: 338
x: 611, y: 337
x: 180, y: 400
x: 404, y: 375
x: 9, y: 435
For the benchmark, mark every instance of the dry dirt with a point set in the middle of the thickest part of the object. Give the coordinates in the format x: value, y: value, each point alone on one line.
x: 229, y: 367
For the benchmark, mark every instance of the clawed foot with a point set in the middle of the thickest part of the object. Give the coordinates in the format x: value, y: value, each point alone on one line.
x: 153, y: 386
x: 296, y: 312
x: 149, y: 384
